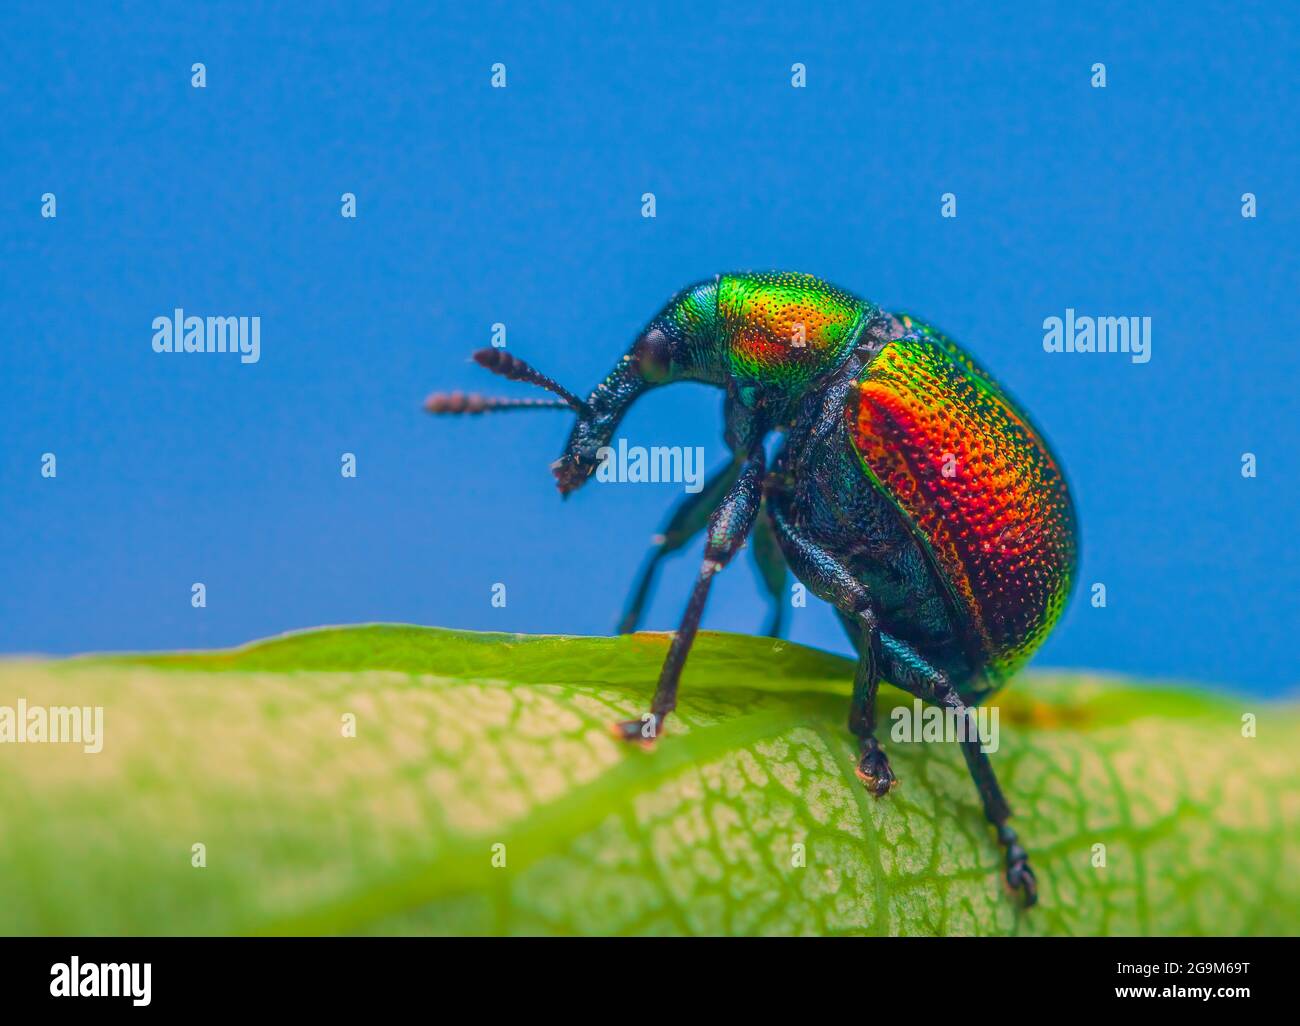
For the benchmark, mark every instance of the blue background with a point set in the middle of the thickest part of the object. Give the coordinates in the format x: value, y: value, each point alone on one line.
x: 523, y: 206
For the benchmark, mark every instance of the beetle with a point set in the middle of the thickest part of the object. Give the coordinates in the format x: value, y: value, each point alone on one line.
x: 908, y: 489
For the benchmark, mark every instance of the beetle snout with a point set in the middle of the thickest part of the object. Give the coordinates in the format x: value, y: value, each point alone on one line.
x: 580, y: 458
x: 571, y: 473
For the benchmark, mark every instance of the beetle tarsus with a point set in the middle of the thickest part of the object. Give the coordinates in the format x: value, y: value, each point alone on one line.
x: 1020, y: 877
x: 873, y: 769
x: 642, y: 731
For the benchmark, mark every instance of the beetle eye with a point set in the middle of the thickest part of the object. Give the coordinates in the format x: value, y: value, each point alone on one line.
x: 654, y: 356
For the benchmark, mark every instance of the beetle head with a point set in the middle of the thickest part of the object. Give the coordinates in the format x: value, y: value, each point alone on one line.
x: 678, y: 344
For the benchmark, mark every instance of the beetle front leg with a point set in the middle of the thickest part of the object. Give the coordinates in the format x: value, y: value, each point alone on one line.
x: 729, y: 524
x: 688, y: 519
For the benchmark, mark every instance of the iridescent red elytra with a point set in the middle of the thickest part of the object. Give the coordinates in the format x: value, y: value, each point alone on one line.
x: 977, y: 483
x: 908, y: 490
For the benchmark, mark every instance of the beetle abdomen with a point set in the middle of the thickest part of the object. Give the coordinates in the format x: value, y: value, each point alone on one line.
x: 977, y: 483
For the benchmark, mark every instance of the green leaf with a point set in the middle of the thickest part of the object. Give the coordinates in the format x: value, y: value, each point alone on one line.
x: 465, y: 741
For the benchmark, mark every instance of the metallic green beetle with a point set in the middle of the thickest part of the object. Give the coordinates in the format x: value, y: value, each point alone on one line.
x: 909, y: 491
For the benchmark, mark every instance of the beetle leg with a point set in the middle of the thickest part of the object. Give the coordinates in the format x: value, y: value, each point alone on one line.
x: 905, y: 668
x: 771, y: 567
x: 880, y: 654
x: 729, y: 524
x: 689, y: 518
x: 873, y: 765
x: 829, y: 579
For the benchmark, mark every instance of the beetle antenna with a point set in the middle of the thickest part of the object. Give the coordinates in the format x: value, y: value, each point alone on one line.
x: 498, y: 361
x: 473, y: 402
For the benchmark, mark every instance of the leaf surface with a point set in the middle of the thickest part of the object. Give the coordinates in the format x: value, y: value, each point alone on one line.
x: 745, y: 818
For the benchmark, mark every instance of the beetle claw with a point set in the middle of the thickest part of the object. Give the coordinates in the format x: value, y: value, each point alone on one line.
x: 1020, y: 877
x: 642, y: 731
x: 873, y: 769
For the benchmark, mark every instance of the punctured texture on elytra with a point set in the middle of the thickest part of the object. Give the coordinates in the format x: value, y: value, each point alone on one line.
x: 978, y: 484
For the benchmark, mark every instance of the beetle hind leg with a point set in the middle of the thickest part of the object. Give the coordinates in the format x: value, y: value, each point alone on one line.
x: 882, y: 655
x: 904, y: 667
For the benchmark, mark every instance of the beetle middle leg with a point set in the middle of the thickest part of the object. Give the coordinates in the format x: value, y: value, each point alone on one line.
x: 829, y: 579
x: 771, y: 568
x: 728, y: 527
